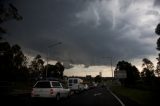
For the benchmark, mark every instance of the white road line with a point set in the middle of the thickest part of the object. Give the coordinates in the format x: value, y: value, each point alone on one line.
x: 116, y: 97
x: 97, y: 94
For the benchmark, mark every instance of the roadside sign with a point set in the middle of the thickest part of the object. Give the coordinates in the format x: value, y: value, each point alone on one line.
x: 120, y: 74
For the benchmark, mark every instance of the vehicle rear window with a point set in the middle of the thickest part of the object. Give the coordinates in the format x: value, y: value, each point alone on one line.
x: 43, y: 85
x: 75, y: 81
x: 56, y: 85
x: 70, y: 81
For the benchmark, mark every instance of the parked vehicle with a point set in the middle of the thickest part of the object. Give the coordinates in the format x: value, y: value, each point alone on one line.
x: 50, y: 89
x: 75, y: 84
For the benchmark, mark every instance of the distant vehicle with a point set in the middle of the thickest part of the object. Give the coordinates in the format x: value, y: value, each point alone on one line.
x: 75, y: 84
x: 50, y: 89
x: 86, y: 87
x: 92, y: 85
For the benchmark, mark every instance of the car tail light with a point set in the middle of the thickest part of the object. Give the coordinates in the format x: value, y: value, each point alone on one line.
x: 51, y: 91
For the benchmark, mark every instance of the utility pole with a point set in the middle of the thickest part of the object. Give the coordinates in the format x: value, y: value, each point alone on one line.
x: 111, y: 63
x: 111, y: 67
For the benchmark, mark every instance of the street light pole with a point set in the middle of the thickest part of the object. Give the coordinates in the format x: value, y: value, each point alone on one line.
x: 58, y: 43
x: 111, y: 67
x: 111, y: 62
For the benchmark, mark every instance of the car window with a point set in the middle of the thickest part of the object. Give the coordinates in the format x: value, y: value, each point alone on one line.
x: 43, y: 85
x: 70, y: 81
x: 75, y: 81
x: 56, y: 85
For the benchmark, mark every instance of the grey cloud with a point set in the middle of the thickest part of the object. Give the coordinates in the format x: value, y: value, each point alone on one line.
x: 152, y: 12
x: 50, y: 21
x: 156, y: 2
x: 124, y: 4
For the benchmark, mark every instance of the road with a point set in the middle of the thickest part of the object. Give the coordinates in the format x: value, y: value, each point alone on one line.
x: 95, y: 97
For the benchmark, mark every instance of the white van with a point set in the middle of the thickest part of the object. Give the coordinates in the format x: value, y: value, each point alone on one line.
x: 75, y: 84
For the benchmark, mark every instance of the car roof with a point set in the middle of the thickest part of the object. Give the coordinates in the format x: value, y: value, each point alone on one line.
x: 47, y: 81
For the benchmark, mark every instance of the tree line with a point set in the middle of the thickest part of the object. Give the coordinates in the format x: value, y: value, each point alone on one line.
x: 148, y: 77
x: 14, y: 65
x: 13, y: 62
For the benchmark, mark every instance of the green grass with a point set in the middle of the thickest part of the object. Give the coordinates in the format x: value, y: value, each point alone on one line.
x: 142, y: 97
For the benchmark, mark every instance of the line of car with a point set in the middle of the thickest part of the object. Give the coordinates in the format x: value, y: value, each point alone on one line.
x: 56, y: 89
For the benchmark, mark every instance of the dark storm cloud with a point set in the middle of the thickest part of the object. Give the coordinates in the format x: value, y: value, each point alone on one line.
x: 157, y: 2
x: 86, y: 33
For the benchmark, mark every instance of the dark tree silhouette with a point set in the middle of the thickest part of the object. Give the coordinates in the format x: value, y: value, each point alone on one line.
x: 98, y: 78
x: 19, y: 59
x: 60, y: 69
x: 37, y: 66
x: 157, y: 71
x: 5, y: 61
x: 55, y: 71
x: 148, y: 71
x: 131, y: 71
x: 157, y: 30
x: 7, y: 12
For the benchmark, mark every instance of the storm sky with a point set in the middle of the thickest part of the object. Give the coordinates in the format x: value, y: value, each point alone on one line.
x: 90, y: 30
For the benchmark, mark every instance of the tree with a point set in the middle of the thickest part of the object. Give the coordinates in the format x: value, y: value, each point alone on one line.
x: 60, y: 69
x: 51, y: 71
x: 19, y: 59
x: 148, y: 71
x: 131, y: 71
x: 7, y: 12
x: 5, y: 61
x: 12, y: 61
x: 98, y: 78
x: 157, y: 31
x: 37, y: 66
x: 157, y: 71
x: 148, y: 64
x: 55, y: 71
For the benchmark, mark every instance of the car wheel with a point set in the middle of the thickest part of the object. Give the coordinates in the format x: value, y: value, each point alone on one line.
x: 58, y: 97
x: 69, y: 94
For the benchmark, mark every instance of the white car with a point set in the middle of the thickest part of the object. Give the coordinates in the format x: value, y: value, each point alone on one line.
x: 50, y: 89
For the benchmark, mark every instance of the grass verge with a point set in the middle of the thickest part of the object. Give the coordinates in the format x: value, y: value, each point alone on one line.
x: 142, y: 97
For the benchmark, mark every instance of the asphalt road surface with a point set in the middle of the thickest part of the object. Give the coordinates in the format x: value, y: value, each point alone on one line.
x: 95, y: 97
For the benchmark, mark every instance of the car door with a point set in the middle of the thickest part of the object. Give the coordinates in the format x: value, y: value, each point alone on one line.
x: 58, y: 88
x: 65, y: 89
